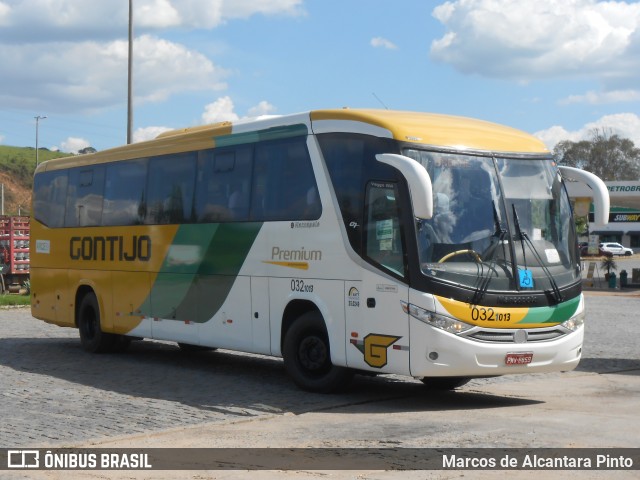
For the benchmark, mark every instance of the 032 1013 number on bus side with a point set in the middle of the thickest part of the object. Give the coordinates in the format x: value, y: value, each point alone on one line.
x: 298, y: 285
x: 489, y: 315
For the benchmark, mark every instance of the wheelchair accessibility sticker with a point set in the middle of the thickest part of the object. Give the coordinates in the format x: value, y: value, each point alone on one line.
x: 526, y: 278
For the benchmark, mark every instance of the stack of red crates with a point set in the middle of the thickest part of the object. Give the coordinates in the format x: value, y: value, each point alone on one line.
x: 14, y: 244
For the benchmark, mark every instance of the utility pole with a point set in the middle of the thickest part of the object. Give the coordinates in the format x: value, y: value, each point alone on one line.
x: 130, y: 79
x: 38, y: 118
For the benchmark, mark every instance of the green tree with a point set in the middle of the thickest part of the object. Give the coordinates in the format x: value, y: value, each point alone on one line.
x: 608, y: 156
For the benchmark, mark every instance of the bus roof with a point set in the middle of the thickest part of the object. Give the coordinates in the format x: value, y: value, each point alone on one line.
x: 430, y: 129
x: 440, y: 130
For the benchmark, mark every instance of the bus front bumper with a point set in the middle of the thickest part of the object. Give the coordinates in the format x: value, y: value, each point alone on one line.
x: 436, y: 353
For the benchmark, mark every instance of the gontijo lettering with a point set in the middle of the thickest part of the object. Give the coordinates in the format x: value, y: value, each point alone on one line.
x: 111, y: 248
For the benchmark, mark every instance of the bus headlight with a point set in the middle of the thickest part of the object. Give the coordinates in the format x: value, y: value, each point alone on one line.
x: 442, y: 322
x: 575, y: 322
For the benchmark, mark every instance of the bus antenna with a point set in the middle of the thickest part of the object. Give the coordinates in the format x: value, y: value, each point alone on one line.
x: 381, y: 102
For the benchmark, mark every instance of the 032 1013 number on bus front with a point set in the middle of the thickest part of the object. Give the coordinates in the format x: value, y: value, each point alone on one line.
x: 489, y: 315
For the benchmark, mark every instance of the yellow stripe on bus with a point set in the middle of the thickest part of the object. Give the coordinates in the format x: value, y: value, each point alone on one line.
x: 494, y: 317
x: 298, y: 265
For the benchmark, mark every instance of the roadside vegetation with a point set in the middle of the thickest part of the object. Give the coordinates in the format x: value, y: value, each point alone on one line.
x: 14, y: 300
x: 17, y: 165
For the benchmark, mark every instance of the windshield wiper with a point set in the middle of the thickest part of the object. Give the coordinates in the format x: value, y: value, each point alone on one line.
x: 525, y: 238
x: 499, y: 233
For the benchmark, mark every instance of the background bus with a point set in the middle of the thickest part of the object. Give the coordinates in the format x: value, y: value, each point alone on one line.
x: 343, y: 240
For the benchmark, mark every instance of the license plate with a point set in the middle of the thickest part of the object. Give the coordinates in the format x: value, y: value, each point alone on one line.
x: 518, y: 358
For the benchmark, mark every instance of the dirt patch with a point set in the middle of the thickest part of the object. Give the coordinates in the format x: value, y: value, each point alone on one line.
x: 17, y: 198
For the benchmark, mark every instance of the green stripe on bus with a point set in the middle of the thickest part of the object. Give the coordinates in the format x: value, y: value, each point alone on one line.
x: 558, y: 314
x: 200, y: 268
x: 275, y: 133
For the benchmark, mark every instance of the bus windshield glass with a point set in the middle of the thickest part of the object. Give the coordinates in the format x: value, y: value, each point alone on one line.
x: 500, y: 224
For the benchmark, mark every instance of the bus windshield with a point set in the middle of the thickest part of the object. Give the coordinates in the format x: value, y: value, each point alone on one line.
x: 498, y: 224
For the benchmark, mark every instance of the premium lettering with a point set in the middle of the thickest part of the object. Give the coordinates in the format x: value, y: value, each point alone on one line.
x: 112, y: 248
x: 278, y: 253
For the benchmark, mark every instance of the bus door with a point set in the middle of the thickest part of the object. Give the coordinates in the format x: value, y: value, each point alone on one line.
x: 377, y: 326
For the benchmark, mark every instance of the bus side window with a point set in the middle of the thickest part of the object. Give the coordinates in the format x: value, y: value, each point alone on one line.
x: 84, y: 198
x: 50, y: 195
x: 284, y: 186
x: 125, y: 201
x: 170, y: 189
x: 383, y: 237
x: 223, y: 185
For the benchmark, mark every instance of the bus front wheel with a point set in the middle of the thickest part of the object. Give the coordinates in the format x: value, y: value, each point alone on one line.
x: 92, y: 338
x: 307, y: 356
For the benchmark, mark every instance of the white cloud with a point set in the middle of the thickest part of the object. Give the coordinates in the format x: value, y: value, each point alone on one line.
x: 1, y: 138
x: 223, y: 110
x: 158, y: 14
x: 542, y: 39
x: 220, y: 111
x: 164, y: 68
x: 263, y: 109
x: 90, y: 76
x: 626, y: 125
x: 86, y: 19
x: 148, y: 133
x: 597, y: 98
x: 71, y: 56
x: 4, y: 14
x: 74, y: 144
x: 379, y: 42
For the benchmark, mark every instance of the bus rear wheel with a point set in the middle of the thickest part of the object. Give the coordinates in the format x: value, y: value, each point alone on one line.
x: 307, y: 356
x: 444, y: 383
x: 92, y: 338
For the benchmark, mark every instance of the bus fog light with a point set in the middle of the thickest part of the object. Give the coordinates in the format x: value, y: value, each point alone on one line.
x: 442, y: 322
x: 433, y: 356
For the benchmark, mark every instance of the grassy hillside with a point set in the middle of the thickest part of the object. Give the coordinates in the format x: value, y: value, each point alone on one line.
x: 16, y: 173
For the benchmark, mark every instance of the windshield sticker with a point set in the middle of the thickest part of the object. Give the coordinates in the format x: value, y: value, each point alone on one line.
x: 552, y: 255
x: 526, y: 278
x: 384, y: 229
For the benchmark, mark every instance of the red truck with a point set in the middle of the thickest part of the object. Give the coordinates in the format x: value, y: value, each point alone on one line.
x: 14, y: 252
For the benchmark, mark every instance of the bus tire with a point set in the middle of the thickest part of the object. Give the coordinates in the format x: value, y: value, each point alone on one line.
x: 92, y: 338
x: 444, y: 383
x: 307, y: 356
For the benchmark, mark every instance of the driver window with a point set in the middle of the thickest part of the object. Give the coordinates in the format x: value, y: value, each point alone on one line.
x: 383, y: 236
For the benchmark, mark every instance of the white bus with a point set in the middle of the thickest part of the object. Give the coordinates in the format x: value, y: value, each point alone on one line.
x: 432, y: 246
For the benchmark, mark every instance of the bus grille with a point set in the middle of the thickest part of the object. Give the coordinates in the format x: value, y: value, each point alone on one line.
x: 507, y: 336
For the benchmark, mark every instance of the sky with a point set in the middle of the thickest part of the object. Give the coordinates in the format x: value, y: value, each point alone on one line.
x: 555, y: 68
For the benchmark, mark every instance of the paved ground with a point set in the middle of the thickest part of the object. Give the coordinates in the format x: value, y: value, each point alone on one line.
x: 53, y: 394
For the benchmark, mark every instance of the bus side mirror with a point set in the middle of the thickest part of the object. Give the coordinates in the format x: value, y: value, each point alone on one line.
x: 598, y: 188
x: 420, y: 188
